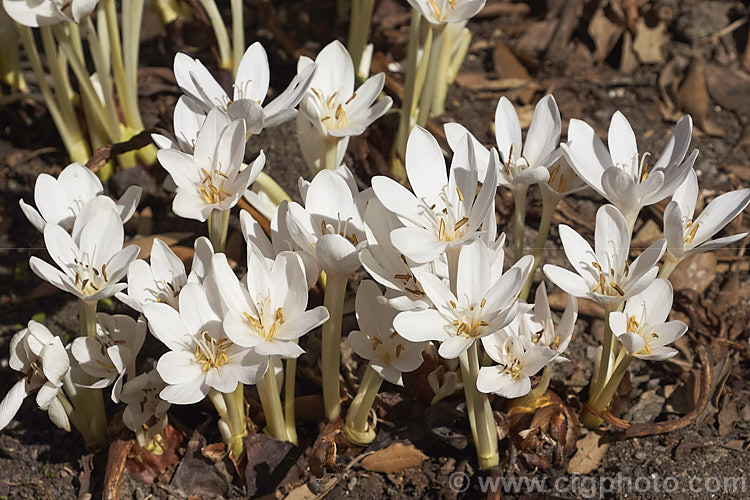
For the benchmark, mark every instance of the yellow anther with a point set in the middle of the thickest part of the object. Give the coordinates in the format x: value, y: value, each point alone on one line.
x: 460, y: 223
x: 441, y: 233
x: 617, y: 288
x: 460, y: 195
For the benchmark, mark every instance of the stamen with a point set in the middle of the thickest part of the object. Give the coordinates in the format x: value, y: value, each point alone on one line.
x: 351, y: 98
x: 441, y: 234
x: 460, y: 195
x: 617, y: 288
x: 460, y: 223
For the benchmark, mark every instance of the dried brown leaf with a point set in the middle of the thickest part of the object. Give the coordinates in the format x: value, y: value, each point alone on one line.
x: 394, y: 459
x: 605, y: 33
x: 694, y: 100
x: 696, y: 272
x: 590, y: 451
x: 649, y: 43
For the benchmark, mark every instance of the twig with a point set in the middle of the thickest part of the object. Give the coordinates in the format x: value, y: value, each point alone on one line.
x: 105, y: 153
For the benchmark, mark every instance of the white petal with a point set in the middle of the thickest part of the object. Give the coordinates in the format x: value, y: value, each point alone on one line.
x: 252, y: 74
x: 507, y: 129
x: 622, y: 144
x: 420, y: 245
x: 544, y: 133
x: 425, y: 165
x: 11, y: 403
x: 419, y: 326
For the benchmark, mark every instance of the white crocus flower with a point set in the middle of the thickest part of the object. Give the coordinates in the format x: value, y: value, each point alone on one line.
x: 35, y: 13
x: 518, y: 360
x: 447, y: 11
x: 163, y: 277
x: 59, y: 201
x: 111, y: 355
x: 212, y: 177
x: 620, y: 174
x: 250, y: 89
x: 188, y: 119
x: 481, y: 306
x: 444, y: 212
x: 389, y: 354
x: 686, y: 236
x: 332, y: 111
x: 642, y: 326
x: 141, y: 395
x: 604, y: 275
x: 42, y: 359
x: 200, y: 356
x: 329, y: 227
x: 386, y: 264
x: 91, y: 265
x: 269, y: 313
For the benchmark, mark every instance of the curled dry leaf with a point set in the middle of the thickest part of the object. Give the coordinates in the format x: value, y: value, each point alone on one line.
x: 394, y: 459
x: 590, y: 451
x: 694, y: 100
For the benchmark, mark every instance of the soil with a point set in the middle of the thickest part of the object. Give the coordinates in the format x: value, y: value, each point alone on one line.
x: 40, y: 461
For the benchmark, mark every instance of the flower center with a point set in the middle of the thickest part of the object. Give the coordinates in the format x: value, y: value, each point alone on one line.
x: 332, y: 109
x: 210, y: 352
x: 387, y: 353
x: 341, y: 229
x: 637, y: 327
x: 449, y: 221
x: 411, y: 284
x: 468, y: 320
x: 212, y: 186
x: 88, y: 278
x: 438, y: 10
x: 693, y: 229
x: 608, y: 285
x: 167, y: 292
x: 34, y: 376
x: 560, y: 183
x: 267, y: 323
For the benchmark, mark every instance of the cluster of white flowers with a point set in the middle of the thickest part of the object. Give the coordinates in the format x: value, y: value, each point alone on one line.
x: 439, y: 267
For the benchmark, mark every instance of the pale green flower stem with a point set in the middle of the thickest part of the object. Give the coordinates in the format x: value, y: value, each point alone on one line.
x: 519, y: 217
x: 88, y: 403
x: 232, y: 424
x: 481, y: 419
x: 443, y: 73
x: 459, y: 56
x: 601, y: 377
x: 218, y: 226
x: 80, y: 424
x: 433, y: 68
x: 331, y: 160
x: 238, y: 34
x: 63, y: 115
x: 220, y: 30
x: 549, y: 204
x: 268, y: 390
x: 356, y: 428
x: 415, y: 73
x: 289, y: 410
x: 360, y: 19
x: 670, y: 264
x: 330, y: 356
x: 602, y: 401
x: 275, y: 192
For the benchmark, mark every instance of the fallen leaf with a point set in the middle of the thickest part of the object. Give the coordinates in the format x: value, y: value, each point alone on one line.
x: 536, y: 37
x: 628, y: 61
x: 590, y: 451
x: 694, y: 100
x: 477, y: 81
x: 300, y: 493
x: 605, y: 33
x: 268, y: 461
x: 394, y: 459
x: 507, y: 65
x: 729, y: 88
x: 649, y: 43
x: 696, y: 272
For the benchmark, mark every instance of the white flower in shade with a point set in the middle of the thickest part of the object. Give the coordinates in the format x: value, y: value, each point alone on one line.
x: 562, y: 180
x: 92, y: 265
x: 620, y: 174
x: 482, y: 305
x: 330, y: 226
x: 111, y: 355
x: 518, y: 360
x: 332, y: 108
x: 389, y: 354
x: 250, y: 89
x: 212, y: 177
x: 604, y: 275
x: 541, y: 326
x: 188, y: 119
x: 686, y: 236
x: 280, y: 241
x: 269, y: 313
x: 642, y: 326
x: 41, y: 357
x: 141, y: 395
x: 447, y: 11
x: 386, y: 264
x: 35, y: 13
x: 200, y: 356
x: 162, y: 279
x: 59, y: 201
x: 444, y: 212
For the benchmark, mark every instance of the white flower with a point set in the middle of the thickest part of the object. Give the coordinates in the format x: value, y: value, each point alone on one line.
x: 162, y: 279
x: 268, y: 313
x: 250, y: 89
x: 59, y: 201
x: 389, y: 354
x: 41, y: 357
x: 447, y: 11
x: 332, y: 108
x: 444, y: 212
x: 212, y: 177
x: 518, y: 359
x: 642, y: 326
x: 330, y: 226
x: 141, y: 395
x: 92, y: 261
x: 111, y: 355
x: 541, y: 326
x: 200, y: 356
x: 35, y: 13
x: 188, y: 119
x: 482, y: 306
x: 686, y: 236
x: 619, y: 174
x: 386, y: 264
x: 605, y: 276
